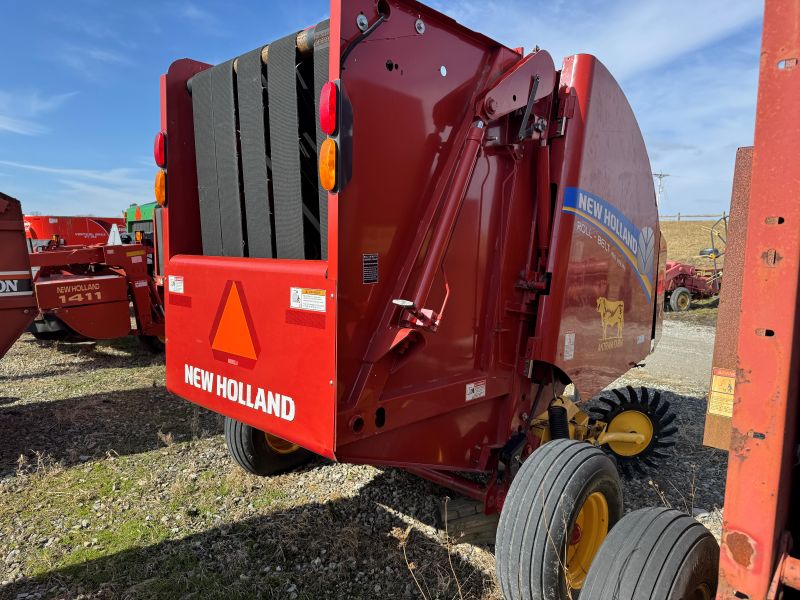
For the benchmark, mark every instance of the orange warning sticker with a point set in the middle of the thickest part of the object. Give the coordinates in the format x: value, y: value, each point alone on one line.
x: 720, y: 400
x: 233, y: 338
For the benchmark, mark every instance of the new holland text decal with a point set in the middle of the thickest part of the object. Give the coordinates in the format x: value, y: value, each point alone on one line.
x: 637, y: 246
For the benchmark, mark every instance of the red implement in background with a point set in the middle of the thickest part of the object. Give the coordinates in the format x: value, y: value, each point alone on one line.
x: 760, y: 528
x: 17, y: 299
x: 87, y: 291
x: 70, y: 231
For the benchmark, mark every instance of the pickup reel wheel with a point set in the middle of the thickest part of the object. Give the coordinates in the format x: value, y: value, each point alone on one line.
x: 644, y: 414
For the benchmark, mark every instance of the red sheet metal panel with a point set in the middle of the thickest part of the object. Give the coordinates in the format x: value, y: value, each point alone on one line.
x: 17, y: 300
x: 254, y: 339
x: 766, y: 396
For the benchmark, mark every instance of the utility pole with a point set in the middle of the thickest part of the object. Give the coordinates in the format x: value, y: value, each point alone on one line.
x: 660, y: 188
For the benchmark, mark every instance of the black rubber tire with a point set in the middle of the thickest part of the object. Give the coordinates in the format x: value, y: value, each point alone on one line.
x: 539, y: 513
x: 677, y: 297
x: 249, y: 449
x: 51, y: 336
x: 152, y: 344
x: 654, y: 553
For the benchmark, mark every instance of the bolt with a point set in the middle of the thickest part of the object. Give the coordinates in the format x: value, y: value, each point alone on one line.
x: 491, y: 106
x: 420, y: 26
x: 362, y: 22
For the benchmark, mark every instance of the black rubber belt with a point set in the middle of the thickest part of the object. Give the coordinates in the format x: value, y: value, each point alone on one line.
x: 255, y: 176
x: 321, y: 60
x: 230, y: 203
x: 205, y: 156
x: 284, y: 140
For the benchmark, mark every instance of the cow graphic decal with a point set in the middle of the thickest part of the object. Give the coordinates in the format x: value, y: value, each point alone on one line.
x: 612, y: 314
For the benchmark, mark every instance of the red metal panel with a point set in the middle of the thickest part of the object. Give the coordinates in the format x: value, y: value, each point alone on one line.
x: 17, y: 300
x: 766, y: 396
x: 72, y: 230
x: 242, y: 344
x: 595, y: 254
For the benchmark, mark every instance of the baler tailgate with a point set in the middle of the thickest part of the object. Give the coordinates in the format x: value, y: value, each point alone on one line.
x: 255, y: 339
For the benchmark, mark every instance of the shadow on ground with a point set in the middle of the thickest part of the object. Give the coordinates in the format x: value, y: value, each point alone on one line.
x: 77, y: 429
x: 346, y: 548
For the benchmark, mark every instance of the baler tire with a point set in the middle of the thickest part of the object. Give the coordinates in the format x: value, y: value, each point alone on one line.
x: 655, y: 553
x: 548, y: 494
x: 152, y: 344
x: 680, y: 299
x: 250, y: 449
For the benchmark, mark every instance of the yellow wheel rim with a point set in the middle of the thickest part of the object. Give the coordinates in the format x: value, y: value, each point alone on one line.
x: 683, y: 301
x: 585, y: 539
x: 280, y: 445
x: 630, y: 421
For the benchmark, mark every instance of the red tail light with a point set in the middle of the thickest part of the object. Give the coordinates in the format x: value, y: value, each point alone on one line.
x: 327, y: 108
x: 160, y: 149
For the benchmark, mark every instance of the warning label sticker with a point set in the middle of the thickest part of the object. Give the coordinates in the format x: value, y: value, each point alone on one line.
x: 720, y: 400
x: 476, y: 389
x: 307, y: 299
x: 175, y: 283
x: 569, y: 345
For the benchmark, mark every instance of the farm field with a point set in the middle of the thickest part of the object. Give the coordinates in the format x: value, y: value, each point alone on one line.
x: 112, y: 488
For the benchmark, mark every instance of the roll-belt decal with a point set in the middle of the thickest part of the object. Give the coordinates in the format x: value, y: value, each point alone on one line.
x: 637, y: 246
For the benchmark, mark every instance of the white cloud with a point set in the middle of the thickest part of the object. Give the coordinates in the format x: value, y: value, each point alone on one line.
x: 691, y: 86
x: 88, y: 191
x: 19, y: 111
x: 89, y: 61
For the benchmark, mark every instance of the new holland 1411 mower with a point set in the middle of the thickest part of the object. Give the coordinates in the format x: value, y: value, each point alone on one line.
x: 392, y: 240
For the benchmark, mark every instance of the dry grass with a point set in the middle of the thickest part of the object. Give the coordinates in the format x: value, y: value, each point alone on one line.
x: 685, y: 239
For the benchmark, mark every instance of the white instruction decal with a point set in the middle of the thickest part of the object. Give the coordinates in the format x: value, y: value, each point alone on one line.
x: 569, y: 345
x: 307, y: 299
x: 175, y: 284
x: 476, y: 389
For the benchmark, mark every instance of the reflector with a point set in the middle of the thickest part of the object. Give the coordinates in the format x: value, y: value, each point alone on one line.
x: 160, y: 187
x: 327, y: 108
x: 327, y: 164
x: 160, y: 149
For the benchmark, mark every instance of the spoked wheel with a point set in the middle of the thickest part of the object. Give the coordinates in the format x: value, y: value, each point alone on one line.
x: 561, y: 505
x: 680, y: 299
x: 655, y: 553
x: 644, y: 414
x: 262, y: 453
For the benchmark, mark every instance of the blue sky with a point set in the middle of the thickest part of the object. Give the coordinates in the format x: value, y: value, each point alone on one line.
x: 79, y: 86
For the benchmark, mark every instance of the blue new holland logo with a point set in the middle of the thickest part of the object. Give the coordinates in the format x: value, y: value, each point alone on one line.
x: 637, y: 246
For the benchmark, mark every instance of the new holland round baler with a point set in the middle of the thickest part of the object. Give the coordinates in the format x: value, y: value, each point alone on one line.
x: 392, y: 240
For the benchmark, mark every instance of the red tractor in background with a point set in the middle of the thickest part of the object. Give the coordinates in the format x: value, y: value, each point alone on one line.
x: 392, y: 240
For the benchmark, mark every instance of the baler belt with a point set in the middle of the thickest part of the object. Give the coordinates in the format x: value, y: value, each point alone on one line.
x: 284, y: 143
x: 217, y: 157
x: 321, y: 57
x: 206, y: 164
x: 230, y: 203
x: 255, y: 150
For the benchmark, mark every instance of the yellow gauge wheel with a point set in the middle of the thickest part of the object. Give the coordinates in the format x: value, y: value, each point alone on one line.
x: 280, y: 445
x: 586, y: 537
x: 630, y: 421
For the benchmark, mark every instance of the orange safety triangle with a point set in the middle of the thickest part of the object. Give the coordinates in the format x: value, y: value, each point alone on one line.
x: 233, y: 333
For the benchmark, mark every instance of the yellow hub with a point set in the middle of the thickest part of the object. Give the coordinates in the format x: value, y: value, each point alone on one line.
x: 585, y: 539
x: 280, y: 445
x: 630, y: 421
x: 683, y: 301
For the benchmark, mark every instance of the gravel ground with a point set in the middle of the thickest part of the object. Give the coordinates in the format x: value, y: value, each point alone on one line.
x: 112, y: 488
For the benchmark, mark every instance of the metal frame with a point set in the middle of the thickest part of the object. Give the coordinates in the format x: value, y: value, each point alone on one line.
x: 754, y: 562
